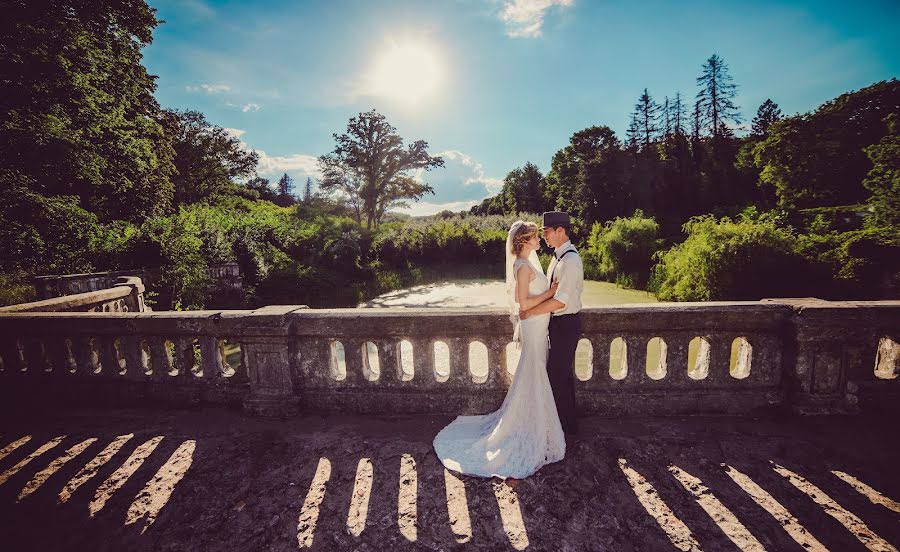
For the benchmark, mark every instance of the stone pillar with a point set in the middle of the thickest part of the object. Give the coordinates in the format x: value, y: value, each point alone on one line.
x: 264, y: 343
x: 135, y: 300
x: 819, y: 348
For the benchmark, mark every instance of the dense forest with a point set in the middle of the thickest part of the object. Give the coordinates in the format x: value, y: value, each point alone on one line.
x: 96, y: 175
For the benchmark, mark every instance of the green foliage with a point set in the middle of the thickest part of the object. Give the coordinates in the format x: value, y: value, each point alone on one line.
x: 457, y: 239
x: 184, y: 269
x: 819, y: 159
x: 744, y: 259
x: 79, y: 117
x: 207, y: 158
x: 15, y: 288
x: 883, y: 180
x: 850, y: 265
x: 49, y: 234
x: 622, y: 249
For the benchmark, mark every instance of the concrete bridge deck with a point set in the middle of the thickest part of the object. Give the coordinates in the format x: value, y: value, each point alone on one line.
x: 212, y: 479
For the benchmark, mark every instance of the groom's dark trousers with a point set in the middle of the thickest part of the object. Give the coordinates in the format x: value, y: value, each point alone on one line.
x: 565, y: 331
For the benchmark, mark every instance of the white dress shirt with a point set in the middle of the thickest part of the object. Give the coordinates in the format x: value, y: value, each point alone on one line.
x: 569, y: 272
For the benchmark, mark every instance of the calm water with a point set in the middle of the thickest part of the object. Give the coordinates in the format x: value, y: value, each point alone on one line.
x: 491, y: 293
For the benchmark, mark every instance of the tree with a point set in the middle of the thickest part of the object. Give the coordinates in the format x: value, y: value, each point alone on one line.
x: 696, y: 125
x: 342, y: 181
x: 373, y: 153
x: 587, y: 177
x: 667, y: 118
x: 307, y: 191
x: 522, y: 190
x: 632, y: 135
x: 767, y: 114
x: 207, y: 157
x: 883, y: 181
x: 261, y: 186
x: 677, y: 115
x: 818, y: 159
x: 646, y: 113
x: 716, y: 95
x: 77, y: 112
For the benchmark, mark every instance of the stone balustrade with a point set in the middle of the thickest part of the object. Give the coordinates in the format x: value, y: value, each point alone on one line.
x: 730, y: 358
x: 125, y: 294
x: 58, y: 285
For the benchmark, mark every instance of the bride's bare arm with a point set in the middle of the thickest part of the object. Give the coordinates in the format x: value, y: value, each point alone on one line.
x: 523, y: 277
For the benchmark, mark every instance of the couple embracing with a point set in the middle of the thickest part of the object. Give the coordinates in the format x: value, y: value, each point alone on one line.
x: 529, y: 429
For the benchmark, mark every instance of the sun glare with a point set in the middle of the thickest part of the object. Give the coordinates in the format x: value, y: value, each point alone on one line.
x: 407, y: 71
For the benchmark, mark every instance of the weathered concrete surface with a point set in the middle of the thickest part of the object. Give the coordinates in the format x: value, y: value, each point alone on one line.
x: 249, y: 478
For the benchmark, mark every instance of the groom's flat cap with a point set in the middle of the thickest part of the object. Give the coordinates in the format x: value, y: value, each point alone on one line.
x: 555, y: 218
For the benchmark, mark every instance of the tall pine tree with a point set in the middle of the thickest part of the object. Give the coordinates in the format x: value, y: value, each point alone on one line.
x: 646, y: 111
x: 715, y: 98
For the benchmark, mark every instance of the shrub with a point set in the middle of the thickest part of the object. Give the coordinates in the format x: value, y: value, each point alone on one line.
x: 622, y: 250
x: 747, y: 259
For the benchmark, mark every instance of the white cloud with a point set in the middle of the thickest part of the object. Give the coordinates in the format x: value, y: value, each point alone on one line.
x: 524, y: 18
x: 236, y: 132
x: 298, y: 165
x: 208, y: 88
x: 250, y: 107
x: 476, y: 176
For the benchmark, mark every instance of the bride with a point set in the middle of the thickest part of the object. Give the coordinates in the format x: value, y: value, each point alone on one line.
x: 525, y: 433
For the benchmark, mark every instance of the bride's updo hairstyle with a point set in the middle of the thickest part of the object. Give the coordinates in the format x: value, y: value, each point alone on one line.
x: 524, y: 232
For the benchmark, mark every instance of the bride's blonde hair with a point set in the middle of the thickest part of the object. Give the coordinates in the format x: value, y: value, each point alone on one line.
x: 524, y: 232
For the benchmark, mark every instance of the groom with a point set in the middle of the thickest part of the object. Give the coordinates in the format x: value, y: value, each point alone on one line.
x: 565, y: 318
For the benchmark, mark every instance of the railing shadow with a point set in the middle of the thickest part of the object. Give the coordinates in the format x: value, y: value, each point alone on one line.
x: 349, y: 483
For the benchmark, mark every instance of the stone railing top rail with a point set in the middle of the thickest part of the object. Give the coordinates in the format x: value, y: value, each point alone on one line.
x: 68, y: 302
x: 301, y: 321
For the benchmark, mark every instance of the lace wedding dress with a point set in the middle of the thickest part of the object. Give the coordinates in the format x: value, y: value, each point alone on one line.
x: 525, y: 433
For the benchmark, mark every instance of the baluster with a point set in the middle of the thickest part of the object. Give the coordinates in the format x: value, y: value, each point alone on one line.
x: 600, y: 379
x: 496, y: 361
x: 460, y: 374
x: 160, y: 358
x: 719, y: 357
x: 211, y: 359
x: 35, y: 354
x: 109, y: 357
x: 135, y: 364
x: 241, y: 375
x: 63, y: 353
x: 87, y: 356
x: 184, y: 357
x: 388, y: 360
x: 677, y: 357
x: 423, y: 363
x: 636, y: 354
x: 12, y: 362
x: 353, y: 359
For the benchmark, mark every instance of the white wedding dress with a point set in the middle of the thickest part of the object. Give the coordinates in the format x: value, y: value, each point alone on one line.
x: 525, y: 433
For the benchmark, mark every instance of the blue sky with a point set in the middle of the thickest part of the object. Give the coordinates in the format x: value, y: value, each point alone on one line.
x: 492, y: 84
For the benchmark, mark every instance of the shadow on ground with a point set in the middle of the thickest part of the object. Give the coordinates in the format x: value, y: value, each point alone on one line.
x: 216, y: 480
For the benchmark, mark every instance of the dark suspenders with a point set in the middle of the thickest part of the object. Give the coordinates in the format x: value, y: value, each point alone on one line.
x: 558, y: 261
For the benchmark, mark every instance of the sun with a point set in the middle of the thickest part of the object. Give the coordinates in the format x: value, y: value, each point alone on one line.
x: 407, y: 71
